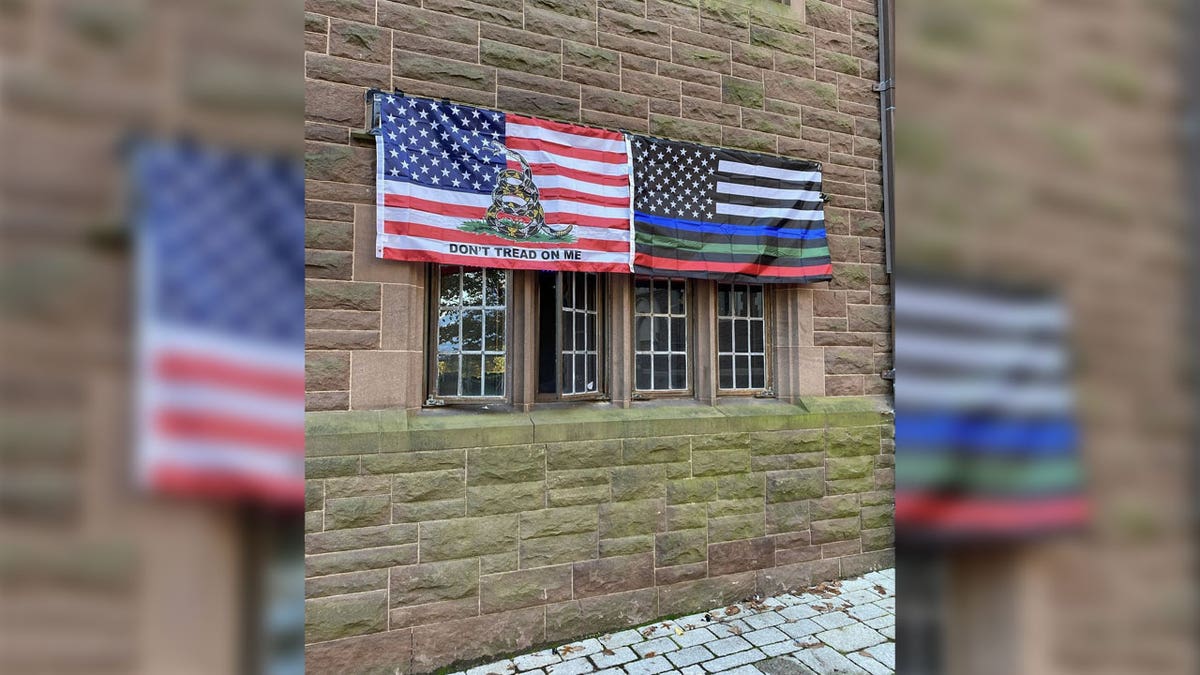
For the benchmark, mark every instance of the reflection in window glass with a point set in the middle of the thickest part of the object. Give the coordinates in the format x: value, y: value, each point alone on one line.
x: 741, y: 337
x: 660, y: 335
x: 471, y: 339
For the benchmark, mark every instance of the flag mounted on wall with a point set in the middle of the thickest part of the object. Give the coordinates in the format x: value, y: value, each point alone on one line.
x: 463, y: 185
x: 469, y: 186
x: 726, y: 214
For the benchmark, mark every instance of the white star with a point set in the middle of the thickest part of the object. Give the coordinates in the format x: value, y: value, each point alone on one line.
x: 392, y: 135
x: 395, y: 171
x: 476, y: 185
x: 456, y: 182
x: 434, y: 179
x: 395, y: 152
x: 391, y: 99
x: 475, y: 113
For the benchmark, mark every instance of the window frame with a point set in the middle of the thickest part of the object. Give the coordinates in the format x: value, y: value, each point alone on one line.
x: 690, y: 348
x: 433, y: 312
x: 768, y: 345
x: 602, y: 365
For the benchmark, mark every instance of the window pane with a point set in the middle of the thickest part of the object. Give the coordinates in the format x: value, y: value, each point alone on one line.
x: 568, y: 330
x: 472, y: 331
x: 661, y: 334
x: 493, y: 376
x: 739, y: 301
x: 495, y: 288
x: 642, y: 333
x: 641, y: 370
x: 447, y: 375
x: 641, y: 297
x: 593, y: 373
x: 662, y: 372
x: 590, y: 320
x: 472, y: 286
x: 678, y: 334
x: 678, y: 371
x: 758, y: 372
x: 472, y: 375
x: 448, y: 339
x: 660, y: 296
x: 757, y: 337
x: 677, y: 298
x: 725, y: 372
x: 568, y: 373
x: 743, y: 335
x: 723, y: 300
x: 724, y: 336
x: 580, y: 331
x: 741, y: 372
x: 756, y: 301
x: 451, y: 285
x: 580, y: 374
x: 494, y: 330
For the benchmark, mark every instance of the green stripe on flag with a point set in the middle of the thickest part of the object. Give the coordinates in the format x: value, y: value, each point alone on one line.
x: 988, y: 474
x: 741, y: 249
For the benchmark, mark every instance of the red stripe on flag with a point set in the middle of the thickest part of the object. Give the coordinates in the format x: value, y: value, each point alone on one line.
x: 226, y: 484
x: 537, y: 144
x: 218, y: 427
x: 575, y: 195
x: 441, y: 234
x: 548, y: 169
x: 658, y: 263
x: 988, y: 514
x: 504, y: 263
x: 464, y: 211
x: 566, y: 127
x: 179, y: 367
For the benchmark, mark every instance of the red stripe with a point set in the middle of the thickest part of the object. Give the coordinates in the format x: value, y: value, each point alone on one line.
x: 504, y: 263
x: 563, y: 218
x: 222, y: 428
x: 654, y: 262
x: 518, y: 143
x: 988, y: 514
x: 463, y: 211
x: 440, y: 234
x: 174, y: 366
x: 548, y: 169
x: 565, y: 127
x: 577, y: 196
x: 226, y: 484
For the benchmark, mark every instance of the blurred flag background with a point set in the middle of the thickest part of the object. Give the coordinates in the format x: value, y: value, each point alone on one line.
x: 173, y: 546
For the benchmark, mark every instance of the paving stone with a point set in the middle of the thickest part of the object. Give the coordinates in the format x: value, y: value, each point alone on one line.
x: 621, y: 639
x: 499, y: 668
x: 733, y: 660
x: 888, y: 632
x: 889, y: 604
x: 610, y: 671
x: 801, y: 628
x: 695, y: 636
x: 744, y: 670
x: 650, y: 666
x: 783, y: 665
x: 579, y: 649
x: 536, y: 660
x: 765, y: 636
x: 825, y: 660
x: 692, y: 670
x: 729, y: 645
x: 861, y: 597
x: 689, y: 656
x: 777, y: 648
x: 884, y: 653
x: 833, y: 619
x: 866, y: 612
x: 660, y: 645
x: 882, y: 621
x: 616, y: 658
x: 572, y: 667
x: 764, y: 620
x: 798, y: 612
x: 869, y: 664
x: 850, y: 638
x: 725, y: 629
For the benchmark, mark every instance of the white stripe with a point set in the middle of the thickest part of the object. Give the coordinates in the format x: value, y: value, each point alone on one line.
x: 632, y: 192
x: 973, y: 392
x: 585, y: 142
x: 769, y: 172
x: 405, y: 215
x: 247, y: 353
x: 957, y: 307
x: 227, y: 400
x: 546, y: 182
x: 245, y: 459
x: 432, y: 194
x: 603, y: 168
x: 767, y: 193
x: 763, y: 212
x: 407, y: 243
x: 584, y: 209
x: 978, y: 354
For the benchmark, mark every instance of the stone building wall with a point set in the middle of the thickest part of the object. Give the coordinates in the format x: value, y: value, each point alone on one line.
x: 440, y: 540
x: 794, y: 80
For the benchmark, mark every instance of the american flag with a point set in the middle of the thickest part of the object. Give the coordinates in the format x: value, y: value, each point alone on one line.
x: 220, y: 239
x: 438, y: 164
x: 725, y: 214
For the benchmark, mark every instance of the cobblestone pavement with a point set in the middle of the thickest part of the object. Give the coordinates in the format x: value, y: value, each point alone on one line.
x: 838, y: 627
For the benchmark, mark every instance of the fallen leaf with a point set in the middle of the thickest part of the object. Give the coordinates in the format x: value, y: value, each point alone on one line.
x: 678, y: 630
x: 735, y: 630
x: 732, y: 609
x: 567, y: 649
x: 608, y: 652
x: 880, y: 590
x: 649, y: 655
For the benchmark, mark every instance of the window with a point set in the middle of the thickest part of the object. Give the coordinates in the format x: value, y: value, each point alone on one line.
x: 741, y: 337
x: 471, y: 332
x: 660, y: 335
x: 569, y: 326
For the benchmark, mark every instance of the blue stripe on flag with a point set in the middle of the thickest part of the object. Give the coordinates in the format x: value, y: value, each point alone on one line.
x: 732, y: 230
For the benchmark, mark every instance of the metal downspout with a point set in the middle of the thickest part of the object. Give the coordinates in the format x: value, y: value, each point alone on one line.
x: 886, y: 88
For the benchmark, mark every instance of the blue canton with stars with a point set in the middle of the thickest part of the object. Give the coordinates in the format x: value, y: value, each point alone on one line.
x: 221, y: 240
x: 440, y: 144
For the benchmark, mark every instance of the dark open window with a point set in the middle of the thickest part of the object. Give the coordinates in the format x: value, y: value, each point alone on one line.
x: 569, y: 330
